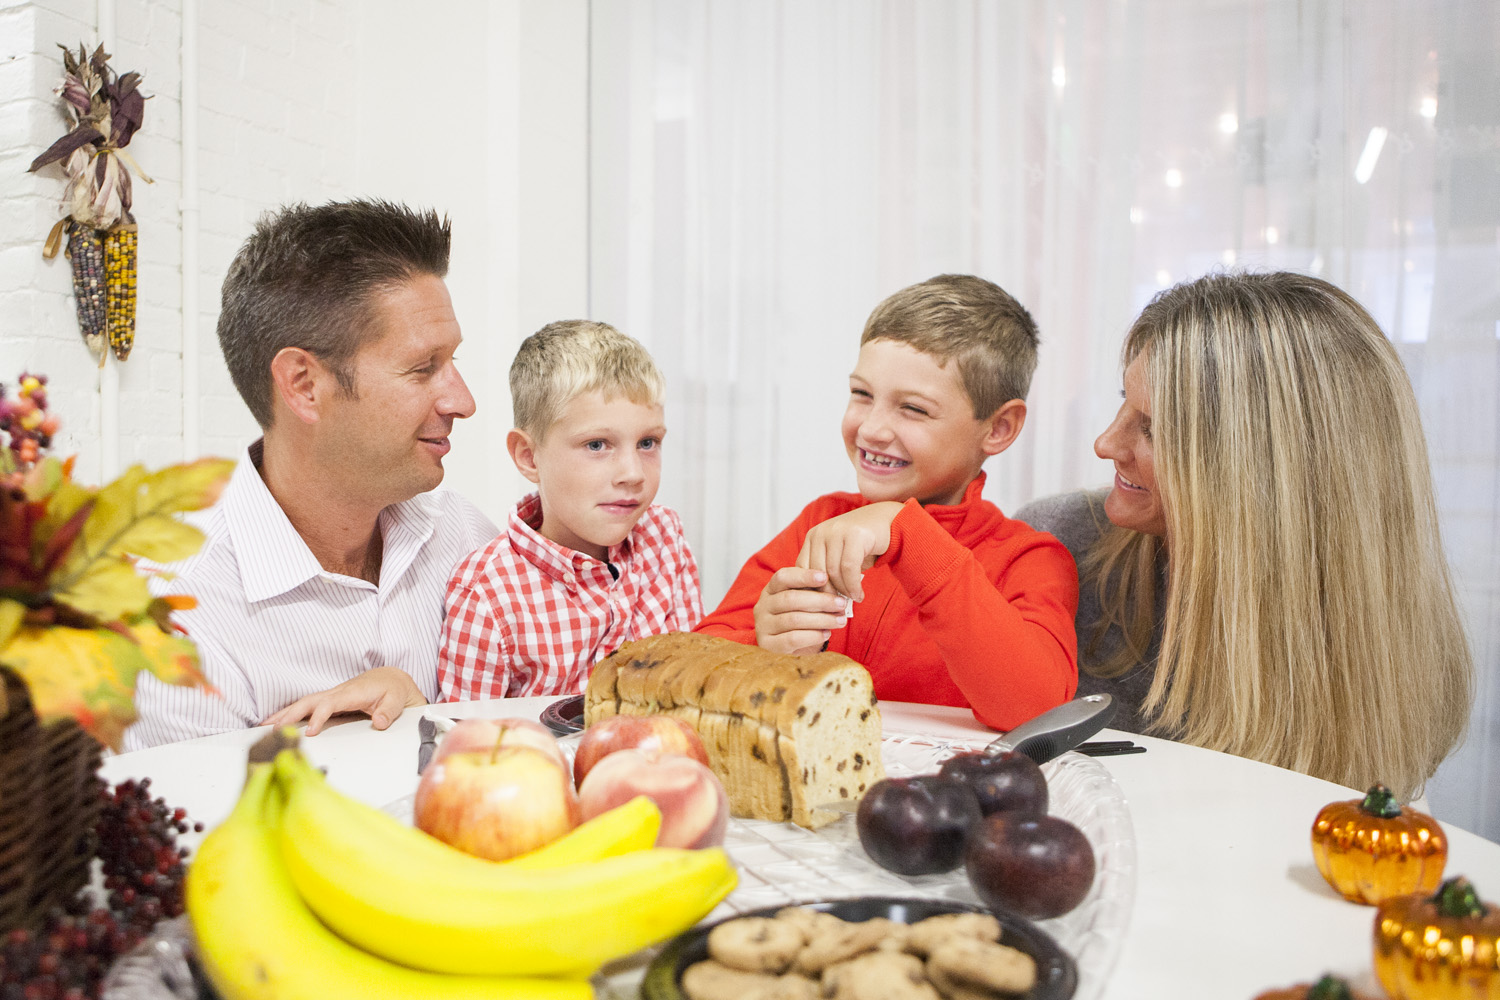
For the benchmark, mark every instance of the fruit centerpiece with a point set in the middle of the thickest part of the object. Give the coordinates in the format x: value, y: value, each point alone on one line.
x: 77, y: 624
x: 304, y: 892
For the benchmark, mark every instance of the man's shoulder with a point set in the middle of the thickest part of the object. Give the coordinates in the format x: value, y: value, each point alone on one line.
x: 458, y: 526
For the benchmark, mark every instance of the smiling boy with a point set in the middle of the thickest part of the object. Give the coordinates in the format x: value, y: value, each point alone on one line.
x: 587, y: 562
x: 953, y: 602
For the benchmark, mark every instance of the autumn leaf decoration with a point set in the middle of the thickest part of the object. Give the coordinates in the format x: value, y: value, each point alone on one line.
x: 106, y: 110
x: 77, y: 618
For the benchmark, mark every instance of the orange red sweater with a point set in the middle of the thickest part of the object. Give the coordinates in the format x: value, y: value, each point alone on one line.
x: 967, y: 607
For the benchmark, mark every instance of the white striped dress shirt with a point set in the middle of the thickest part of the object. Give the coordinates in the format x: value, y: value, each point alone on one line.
x: 272, y: 625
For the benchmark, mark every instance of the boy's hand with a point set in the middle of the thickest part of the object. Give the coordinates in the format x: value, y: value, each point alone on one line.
x: 847, y: 545
x: 796, y: 612
x: 380, y: 693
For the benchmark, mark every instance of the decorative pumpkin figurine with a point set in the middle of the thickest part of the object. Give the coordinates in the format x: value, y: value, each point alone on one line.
x: 1442, y: 947
x: 1328, y: 988
x: 1373, y: 848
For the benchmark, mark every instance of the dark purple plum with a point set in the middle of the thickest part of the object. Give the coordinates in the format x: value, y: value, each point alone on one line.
x: 1037, y: 866
x: 1002, y: 782
x: 917, y: 826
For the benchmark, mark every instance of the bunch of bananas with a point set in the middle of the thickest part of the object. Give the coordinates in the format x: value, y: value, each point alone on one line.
x: 305, y: 893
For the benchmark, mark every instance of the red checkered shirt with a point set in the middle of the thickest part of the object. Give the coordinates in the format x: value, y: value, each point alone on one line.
x: 527, y: 616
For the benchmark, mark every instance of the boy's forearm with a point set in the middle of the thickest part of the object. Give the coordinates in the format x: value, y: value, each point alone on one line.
x: 1024, y: 660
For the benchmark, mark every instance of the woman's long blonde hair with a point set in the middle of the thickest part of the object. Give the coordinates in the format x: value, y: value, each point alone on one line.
x: 1309, y: 618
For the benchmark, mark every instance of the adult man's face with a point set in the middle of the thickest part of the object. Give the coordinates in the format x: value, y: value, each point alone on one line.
x: 391, y: 436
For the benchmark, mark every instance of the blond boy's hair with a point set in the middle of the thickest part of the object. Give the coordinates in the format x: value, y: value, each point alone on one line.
x: 569, y: 358
x: 970, y: 321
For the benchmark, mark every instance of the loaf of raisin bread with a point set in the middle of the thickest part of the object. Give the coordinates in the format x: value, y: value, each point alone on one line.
x: 785, y: 734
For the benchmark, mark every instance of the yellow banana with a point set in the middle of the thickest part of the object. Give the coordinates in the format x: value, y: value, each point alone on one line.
x: 446, y: 911
x: 632, y: 826
x: 258, y: 940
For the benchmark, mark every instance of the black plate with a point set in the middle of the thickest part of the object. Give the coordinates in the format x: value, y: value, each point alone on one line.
x: 1056, y: 975
x: 564, y: 716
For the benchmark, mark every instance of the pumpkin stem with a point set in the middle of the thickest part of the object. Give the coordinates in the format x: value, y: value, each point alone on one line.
x: 1457, y: 898
x: 1330, y: 987
x: 1378, y: 801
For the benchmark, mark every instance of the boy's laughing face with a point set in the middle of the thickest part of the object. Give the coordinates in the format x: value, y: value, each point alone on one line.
x: 910, y: 428
x: 597, y: 470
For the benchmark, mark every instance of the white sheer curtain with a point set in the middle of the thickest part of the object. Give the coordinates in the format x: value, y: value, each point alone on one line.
x: 763, y: 173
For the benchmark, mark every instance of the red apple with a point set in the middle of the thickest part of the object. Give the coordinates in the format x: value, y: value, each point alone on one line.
x: 497, y: 803
x: 694, y: 808
x: 657, y: 733
x: 476, y: 735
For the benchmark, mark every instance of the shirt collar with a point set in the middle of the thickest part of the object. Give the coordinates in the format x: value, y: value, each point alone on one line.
x: 558, y: 561
x: 273, y: 559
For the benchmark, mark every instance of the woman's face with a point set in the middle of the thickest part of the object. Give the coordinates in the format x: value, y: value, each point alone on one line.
x: 1134, y: 502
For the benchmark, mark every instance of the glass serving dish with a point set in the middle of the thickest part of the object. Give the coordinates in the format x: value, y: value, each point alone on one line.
x: 781, y: 864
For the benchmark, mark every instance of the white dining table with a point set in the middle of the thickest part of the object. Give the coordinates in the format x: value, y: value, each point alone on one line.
x: 1228, y: 901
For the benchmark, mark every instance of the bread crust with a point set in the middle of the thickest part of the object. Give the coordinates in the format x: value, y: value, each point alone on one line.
x: 785, y: 734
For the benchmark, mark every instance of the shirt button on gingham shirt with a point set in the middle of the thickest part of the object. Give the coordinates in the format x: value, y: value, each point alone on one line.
x: 527, y: 616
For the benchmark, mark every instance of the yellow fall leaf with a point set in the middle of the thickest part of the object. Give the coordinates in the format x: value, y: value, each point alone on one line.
x: 82, y: 674
x: 66, y: 499
x: 172, y: 658
x: 110, y: 588
x: 11, y: 613
x: 135, y: 515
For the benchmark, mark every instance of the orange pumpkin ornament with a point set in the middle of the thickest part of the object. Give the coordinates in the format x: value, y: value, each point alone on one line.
x: 1373, y: 849
x: 1442, y: 947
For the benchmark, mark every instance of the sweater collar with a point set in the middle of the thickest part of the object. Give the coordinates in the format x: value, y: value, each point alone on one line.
x: 951, y: 516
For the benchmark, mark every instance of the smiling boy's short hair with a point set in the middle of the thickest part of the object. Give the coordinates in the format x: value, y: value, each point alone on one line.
x: 566, y: 359
x: 968, y: 320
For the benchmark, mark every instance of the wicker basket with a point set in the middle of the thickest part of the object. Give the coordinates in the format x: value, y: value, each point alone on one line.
x: 50, y: 798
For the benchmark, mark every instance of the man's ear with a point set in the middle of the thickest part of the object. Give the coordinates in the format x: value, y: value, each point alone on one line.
x: 523, y: 453
x: 1004, y: 426
x: 299, y: 380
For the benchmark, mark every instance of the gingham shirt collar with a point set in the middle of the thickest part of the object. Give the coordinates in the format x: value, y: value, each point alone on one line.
x: 273, y: 558
x: 568, y: 566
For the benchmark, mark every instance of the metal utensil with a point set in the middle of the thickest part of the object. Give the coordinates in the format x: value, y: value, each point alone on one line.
x: 1058, y: 730
x: 1051, y: 734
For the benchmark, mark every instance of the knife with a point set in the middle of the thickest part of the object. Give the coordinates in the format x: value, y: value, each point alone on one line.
x: 1058, y: 730
x: 1049, y: 735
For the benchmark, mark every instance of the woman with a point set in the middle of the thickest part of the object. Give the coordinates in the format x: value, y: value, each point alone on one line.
x: 1270, y: 581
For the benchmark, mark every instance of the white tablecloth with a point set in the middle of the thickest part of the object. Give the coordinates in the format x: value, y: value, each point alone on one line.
x: 1228, y: 900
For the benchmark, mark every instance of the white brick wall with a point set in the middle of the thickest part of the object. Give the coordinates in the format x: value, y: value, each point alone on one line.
x: 304, y: 100
x: 251, y: 160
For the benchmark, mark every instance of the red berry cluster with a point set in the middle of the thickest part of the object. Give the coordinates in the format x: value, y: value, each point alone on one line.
x: 24, y: 418
x: 143, y: 872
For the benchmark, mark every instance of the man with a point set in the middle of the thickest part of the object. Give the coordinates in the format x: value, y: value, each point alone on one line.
x: 320, y: 585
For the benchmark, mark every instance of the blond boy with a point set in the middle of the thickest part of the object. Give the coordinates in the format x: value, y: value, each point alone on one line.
x: 586, y: 562
x: 953, y: 602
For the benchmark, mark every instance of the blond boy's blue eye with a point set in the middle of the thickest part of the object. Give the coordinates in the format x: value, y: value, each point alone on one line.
x: 595, y: 445
x: 650, y: 443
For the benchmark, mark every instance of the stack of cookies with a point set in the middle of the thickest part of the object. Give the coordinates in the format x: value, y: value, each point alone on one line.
x: 805, y: 954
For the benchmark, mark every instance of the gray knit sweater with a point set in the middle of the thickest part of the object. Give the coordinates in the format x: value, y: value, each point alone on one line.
x: 1077, y: 520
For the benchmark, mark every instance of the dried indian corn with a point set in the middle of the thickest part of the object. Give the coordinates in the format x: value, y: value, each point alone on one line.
x: 86, y: 251
x: 120, y: 275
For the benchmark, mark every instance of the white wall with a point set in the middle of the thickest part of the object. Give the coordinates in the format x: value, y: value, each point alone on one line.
x: 304, y: 101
